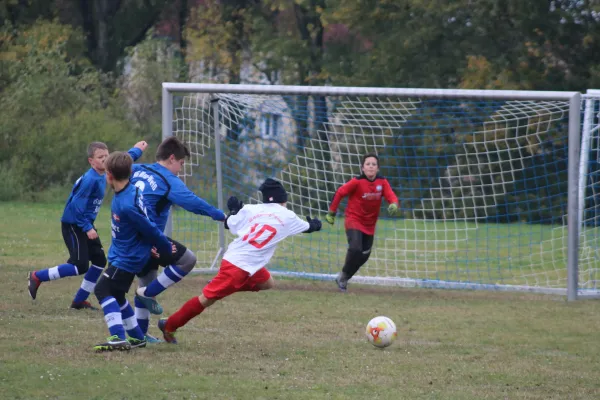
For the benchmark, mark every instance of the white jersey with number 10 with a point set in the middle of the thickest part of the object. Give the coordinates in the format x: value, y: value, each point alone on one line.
x: 259, y: 227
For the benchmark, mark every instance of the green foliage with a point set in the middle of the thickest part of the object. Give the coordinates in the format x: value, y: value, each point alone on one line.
x: 12, y: 182
x: 416, y: 43
x: 150, y: 63
x: 55, y: 103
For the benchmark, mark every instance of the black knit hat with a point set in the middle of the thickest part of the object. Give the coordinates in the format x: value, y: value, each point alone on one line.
x: 273, y: 191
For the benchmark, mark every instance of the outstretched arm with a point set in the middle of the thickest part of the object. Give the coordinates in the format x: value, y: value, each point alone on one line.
x: 388, y: 193
x: 234, y: 205
x: 345, y: 190
x: 314, y: 225
x: 390, y: 197
x: 184, y: 197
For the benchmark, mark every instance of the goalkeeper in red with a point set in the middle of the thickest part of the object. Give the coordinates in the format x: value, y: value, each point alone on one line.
x: 365, y: 194
x: 259, y: 228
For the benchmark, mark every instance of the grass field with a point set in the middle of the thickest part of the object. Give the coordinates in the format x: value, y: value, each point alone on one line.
x: 303, y: 340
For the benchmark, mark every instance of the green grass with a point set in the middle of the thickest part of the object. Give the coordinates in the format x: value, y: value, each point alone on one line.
x: 303, y: 340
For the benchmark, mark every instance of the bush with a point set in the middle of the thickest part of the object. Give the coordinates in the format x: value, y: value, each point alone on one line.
x: 12, y: 183
x: 54, y: 104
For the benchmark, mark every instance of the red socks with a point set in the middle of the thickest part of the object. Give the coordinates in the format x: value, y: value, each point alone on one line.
x: 188, y: 311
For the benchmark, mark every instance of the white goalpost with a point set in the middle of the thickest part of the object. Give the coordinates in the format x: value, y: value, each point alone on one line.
x: 490, y: 182
x: 589, y: 192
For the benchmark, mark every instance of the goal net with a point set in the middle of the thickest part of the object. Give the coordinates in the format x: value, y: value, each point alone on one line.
x: 482, y: 178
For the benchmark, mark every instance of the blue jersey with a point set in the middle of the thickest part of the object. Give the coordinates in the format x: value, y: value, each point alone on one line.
x: 162, y: 188
x: 86, y: 197
x: 133, y: 233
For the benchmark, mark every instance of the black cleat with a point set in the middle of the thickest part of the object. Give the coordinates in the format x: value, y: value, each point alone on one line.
x: 136, y: 343
x: 113, y: 343
x: 33, y: 284
x: 343, y: 286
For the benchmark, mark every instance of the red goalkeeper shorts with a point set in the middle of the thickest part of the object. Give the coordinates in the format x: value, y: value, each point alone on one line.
x: 231, y: 279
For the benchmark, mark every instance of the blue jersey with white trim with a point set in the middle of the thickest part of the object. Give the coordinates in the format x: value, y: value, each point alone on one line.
x: 86, y: 197
x: 85, y: 200
x: 133, y: 233
x: 162, y: 188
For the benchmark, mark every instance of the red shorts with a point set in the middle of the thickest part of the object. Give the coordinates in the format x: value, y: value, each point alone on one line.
x: 231, y: 279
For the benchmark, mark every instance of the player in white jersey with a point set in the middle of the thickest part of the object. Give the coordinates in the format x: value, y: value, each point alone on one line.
x: 258, y: 227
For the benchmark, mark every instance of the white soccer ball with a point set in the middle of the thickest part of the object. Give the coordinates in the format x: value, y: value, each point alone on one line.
x: 381, y: 331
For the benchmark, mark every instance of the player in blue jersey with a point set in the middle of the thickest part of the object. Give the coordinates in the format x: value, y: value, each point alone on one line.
x: 78, y: 229
x: 161, y: 188
x: 133, y: 237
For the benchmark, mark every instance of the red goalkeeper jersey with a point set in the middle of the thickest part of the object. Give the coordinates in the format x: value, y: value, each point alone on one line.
x: 364, y: 202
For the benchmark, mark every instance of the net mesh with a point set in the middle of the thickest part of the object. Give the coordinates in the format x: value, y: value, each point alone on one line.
x: 482, y: 183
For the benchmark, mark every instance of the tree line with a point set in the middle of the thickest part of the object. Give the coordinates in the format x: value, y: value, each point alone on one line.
x: 73, y: 71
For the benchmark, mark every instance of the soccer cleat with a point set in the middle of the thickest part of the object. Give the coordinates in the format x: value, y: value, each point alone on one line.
x: 136, y: 343
x: 113, y: 343
x: 343, y: 286
x: 148, y: 302
x: 152, y: 339
x: 33, y: 284
x: 83, y: 305
x: 169, y: 336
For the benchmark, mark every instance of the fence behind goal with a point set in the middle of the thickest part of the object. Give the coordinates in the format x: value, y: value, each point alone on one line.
x: 483, y: 178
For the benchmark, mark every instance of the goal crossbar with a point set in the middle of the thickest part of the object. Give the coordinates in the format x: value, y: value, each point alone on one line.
x: 171, y: 87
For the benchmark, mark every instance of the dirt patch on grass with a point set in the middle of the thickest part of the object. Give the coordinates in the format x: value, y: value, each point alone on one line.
x: 306, y: 285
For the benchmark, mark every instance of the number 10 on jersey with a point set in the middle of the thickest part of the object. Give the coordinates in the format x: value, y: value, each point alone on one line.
x: 256, y: 237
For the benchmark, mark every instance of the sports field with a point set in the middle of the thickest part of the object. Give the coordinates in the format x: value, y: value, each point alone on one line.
x: 303, y: 340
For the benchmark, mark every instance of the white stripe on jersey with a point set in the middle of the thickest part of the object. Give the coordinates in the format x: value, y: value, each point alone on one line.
x: 259, y: 227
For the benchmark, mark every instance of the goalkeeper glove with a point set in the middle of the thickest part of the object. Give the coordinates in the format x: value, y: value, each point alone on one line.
x: 314, y: 225
x: 392, y: 209
x: 234, y: 205
x: 330, y: 217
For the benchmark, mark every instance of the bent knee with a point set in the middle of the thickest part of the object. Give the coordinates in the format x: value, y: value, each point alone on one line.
x: 99, y: 261
x: 187, y: 261
x: 82, y: 267
x: 102, y: 289
x: 269, y: 284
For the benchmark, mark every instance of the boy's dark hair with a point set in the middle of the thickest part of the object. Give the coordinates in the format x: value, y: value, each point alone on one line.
x: 95, y: 146
x: 369, y: 155
x: 172, y: 146
x: 119, y: 165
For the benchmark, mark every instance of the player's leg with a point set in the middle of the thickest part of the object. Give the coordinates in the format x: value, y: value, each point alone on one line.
x: 367, y: 245
x: 107, y: 291
x: 78, y: 262
x: 229, y: 279
x: 148, y: 274
x: 261, y: 280
x: 353, y: 258
x: 142, y: 314
x: 136, y: 337
x: 98, y: 260
x: 185, y: 260
x: 365, y: 253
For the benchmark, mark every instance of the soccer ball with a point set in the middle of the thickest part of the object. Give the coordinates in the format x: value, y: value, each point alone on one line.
x: 381, y: 331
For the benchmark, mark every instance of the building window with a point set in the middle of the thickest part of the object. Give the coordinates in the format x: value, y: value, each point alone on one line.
x: 269, y: 125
